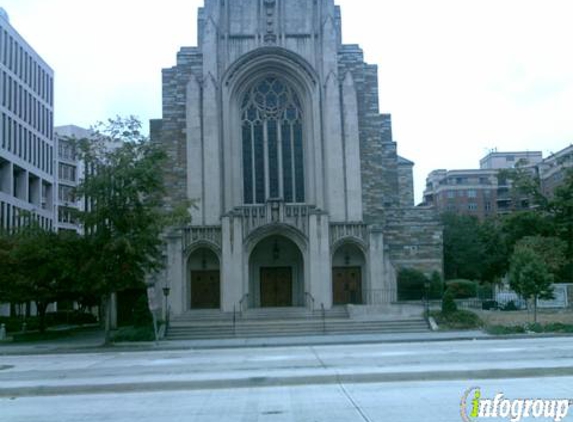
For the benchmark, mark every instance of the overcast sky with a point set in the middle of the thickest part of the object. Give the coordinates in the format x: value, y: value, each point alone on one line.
x: 459, y: 77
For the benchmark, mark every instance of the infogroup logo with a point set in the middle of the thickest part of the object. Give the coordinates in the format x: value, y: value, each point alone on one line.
x: 475, y: 407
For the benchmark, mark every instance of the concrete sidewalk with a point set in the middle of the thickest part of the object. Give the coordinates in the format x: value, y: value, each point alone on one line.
x: 91, y: 342
x: 253, y: 367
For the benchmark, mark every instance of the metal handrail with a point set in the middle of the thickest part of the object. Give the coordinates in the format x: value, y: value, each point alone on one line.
x: 323, y: 318
x: 242, y: 303
x: 312, y: 301
x: 234, y: 319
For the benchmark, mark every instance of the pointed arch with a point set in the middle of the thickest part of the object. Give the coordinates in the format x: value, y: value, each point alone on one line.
x: 301, y: 80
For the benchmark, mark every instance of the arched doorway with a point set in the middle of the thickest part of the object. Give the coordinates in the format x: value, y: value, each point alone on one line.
x: 276, y: 273
x: 205, y: 280
x: 348, y: 274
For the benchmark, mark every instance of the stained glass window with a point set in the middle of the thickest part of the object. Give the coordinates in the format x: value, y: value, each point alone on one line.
x: 273, y: 158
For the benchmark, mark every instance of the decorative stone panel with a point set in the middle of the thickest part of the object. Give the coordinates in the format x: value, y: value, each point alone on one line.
x: 209, y: 234
x: 348, y: 231
x: 273, y: 212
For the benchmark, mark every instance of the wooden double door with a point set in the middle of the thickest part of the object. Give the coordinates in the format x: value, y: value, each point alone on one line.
x: 347, y: 285
x: 205, y: 290
x: 276, y: 287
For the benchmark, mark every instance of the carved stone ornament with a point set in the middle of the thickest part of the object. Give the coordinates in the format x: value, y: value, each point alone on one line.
x: 270, y: 36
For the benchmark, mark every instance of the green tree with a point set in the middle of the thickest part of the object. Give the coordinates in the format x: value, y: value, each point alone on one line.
x: 495, y: 260
x: 551, y: 251
x: 125, y: 216
x: 530, y: 277
x: 43, y: 268
x: 500, y: 236
x: 520, y: 224
x: 464, y: 251
x: 550, y: 216
x: 561, y: 208
x: 449, y: 306
x: 7, y: 267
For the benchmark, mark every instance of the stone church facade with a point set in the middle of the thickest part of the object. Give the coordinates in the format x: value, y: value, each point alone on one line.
x: 272, y: 127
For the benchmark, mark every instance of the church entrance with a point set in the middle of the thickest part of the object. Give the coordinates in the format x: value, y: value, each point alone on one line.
x: 348, y: 269
x: 276, y: 274
x: 204, y: 279
x: 205, y: 290
x: 276, y: 287
x: 347, y: 285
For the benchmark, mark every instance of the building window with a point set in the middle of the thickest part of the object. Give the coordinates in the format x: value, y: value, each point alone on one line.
x: 66, y: 150
x: 273, y: 159
x: 472, y: 206
x: 66, y: 215
x: 66, y: 193
x: 67, y: 173
x: 451, y: 194
x: 472, y: 194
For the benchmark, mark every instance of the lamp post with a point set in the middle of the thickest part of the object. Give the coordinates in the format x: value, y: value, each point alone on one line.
x: 166, y: 291
x: 427, y: 297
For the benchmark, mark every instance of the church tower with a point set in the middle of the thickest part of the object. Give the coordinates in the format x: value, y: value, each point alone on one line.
x: 272, y: 127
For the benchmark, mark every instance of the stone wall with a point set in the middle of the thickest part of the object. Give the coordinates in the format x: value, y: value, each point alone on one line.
x: 414, y: 238
x: 379, y: 165
x: 170, y: 131
x: 406, y: 182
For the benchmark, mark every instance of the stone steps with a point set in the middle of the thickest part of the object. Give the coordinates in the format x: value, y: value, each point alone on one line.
x: 259, y: 314
x: 293, y: 327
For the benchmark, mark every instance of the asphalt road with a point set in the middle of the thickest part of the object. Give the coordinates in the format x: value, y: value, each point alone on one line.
x: 428, y: 401
x: 371, y: 382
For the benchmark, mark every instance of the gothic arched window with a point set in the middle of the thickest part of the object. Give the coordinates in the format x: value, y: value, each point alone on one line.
x: 273, y: 159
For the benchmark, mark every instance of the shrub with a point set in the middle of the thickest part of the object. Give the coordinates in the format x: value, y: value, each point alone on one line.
x: 448, y: 303
x: 488, y: 305
x: 436, y: 286
x: 37, y: 336
x: 558, y: 327
x: 69, y: 317
x: 14, y: 324
x: 462, y: 289
x: 510, y: 306
x: 555, y: 327
x: 535, y: 328
x: 485, y: 291
x: 458, y: 320
x: 133, y: 334
x: 141, y: 315
x: 411, y: 284
x: 500, y: 330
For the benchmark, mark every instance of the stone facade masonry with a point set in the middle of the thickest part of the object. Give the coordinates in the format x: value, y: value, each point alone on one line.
x: 414, y: 239
x: 358, y: 191
x: 378, y: 151
x: 405, y: 182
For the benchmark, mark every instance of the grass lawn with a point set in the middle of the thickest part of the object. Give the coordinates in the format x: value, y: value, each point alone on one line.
x: 512, y: 318
x: 507, y: 322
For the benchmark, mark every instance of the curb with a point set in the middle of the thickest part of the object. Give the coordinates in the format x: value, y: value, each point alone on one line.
x: 171, y: 345
x: 282, y: 381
